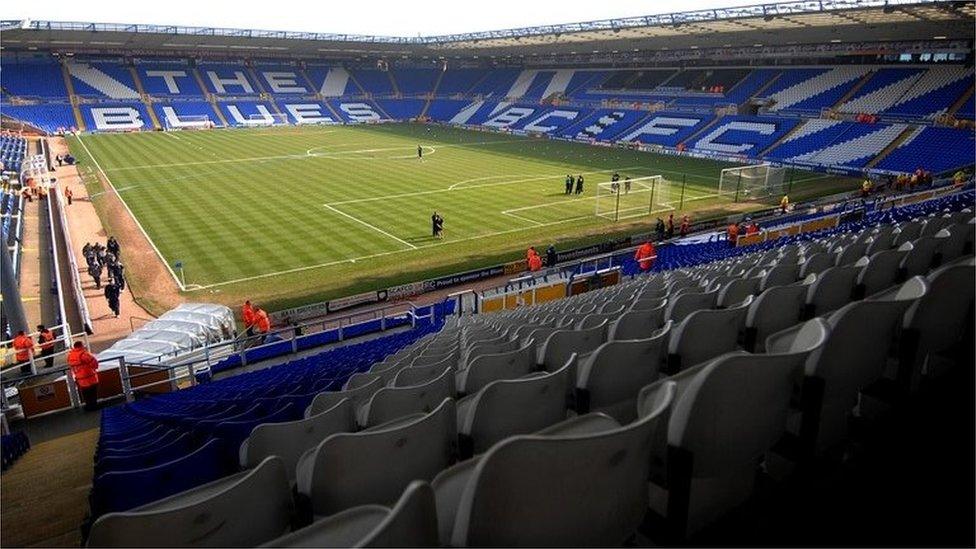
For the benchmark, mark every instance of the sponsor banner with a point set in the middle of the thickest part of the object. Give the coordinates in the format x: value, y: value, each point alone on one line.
x: 828, y: 222
x: 464, y: 278
x: 355, y: 300
x: 516, y: 267
x: 405, y: 291
x: 304, y: 312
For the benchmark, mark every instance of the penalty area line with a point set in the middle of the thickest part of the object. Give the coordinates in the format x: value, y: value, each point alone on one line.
x: 375, y: 228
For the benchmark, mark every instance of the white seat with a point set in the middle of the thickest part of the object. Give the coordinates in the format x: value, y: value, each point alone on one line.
x: 242, y: 510
x: 418, y: 375
x: 349, y: 469
x: 412, y: 522
x: 325, y: 400
x: 512, y: 407
x: 816, y: 264
x: 487, y: 368
x: 880, y: 272
x: 609, y: 380
x: 921, y: 256
x: 595, y: 319
x: 390, y: 403
x: 685, y: 304
x: 933, y: 225
x: 958, y: 241
x: 291, y: 439
x: 906, y: 232
x: 503, y: 345
x: 782, y: 274
x: 539, y: 490
x: 832, y: 289
x: 854, y: 355
x: 737, y: 291
x: 726, y: 419
x: 775, y: 309
x: 706, y: 334
x: 638, y: 323
x: 564, y: 343
x: 936, y: 322
x: 851, y: 253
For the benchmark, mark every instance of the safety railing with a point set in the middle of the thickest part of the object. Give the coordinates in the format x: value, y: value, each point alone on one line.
x: 79, y: 294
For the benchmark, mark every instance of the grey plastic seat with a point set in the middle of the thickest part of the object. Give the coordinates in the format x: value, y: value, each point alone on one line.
x: 487, y: 368
x: 637, y: 324
x: 936, y: 322
x: 773, y: 310
x: 385, y: 374
x: 854, y: 356
x: 933, y: 225
x: 510, y: 407
x: 412, y: 522
x: 881, y: 271
x: 921, y: 256
x: 564, y: 343
x: 958, y: 240
x: 325, y: 400
x: 291, y: 439
x: 816, y: 264
x: 595, y: 319
x: 503, y: 345
x: 539, y: 490
x: 390, y: 403
x: 685, y: 304
x: 418, y: 375
x: 782, y: 274
x: 851, y: 253
x: 610, y: 379
x: 705, y: 335
x: 882, y: 239
x: 907, y: 232
x: 242, y: 510
x: 349, y: 469
x: 737, y: 291
x: 729, y: 415
x: 427, y: 360
x: 832, y: 289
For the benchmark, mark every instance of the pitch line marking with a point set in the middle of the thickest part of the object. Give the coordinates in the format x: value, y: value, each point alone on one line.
x: 374, y: 227
x: 132, y: 215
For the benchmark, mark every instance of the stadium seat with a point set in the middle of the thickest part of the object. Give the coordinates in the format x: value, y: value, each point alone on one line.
x: 705, y: 334
x: 418, y: 375
x: 920, y: 255
x: 538, y: 490
x: 412, y: 522
x: 326, y: 400
x: 487, y: 368
x: 737, y: 290
x: 831, y: 290
x: 563, y: 343
x: 349, y: 469
x: 683, y: 305
x: 880, y: 271
x: 289, y: 440
x: 610, y: 378
x: 242, y: 510
x: 638, y: 323
x: 508, y: 407
x: 390, y: 403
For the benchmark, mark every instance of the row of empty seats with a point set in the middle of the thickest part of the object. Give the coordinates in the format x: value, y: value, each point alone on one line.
x: 564, y: 423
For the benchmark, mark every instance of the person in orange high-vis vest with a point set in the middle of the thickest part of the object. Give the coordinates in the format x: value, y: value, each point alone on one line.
x: 262, y: 324
x: 645, y: 256
x: 45, y: 338
x: 535, y: 262
x: 84, y: 368
x: 24, y: 346
x: 247, y: 314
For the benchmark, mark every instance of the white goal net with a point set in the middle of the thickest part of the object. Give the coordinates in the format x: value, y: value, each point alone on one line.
x: 262, y: 120
x: 751, y: 182
x: 636, y: 197
x: 189, y: 122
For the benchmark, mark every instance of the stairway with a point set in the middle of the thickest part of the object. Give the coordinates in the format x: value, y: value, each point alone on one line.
x: 856, y: 88
x: 433, y: 94
x: 909, y: 132
x: 79, y: 120
x: 145, y: 98
x: 960, y: 102
x: 211, y: 98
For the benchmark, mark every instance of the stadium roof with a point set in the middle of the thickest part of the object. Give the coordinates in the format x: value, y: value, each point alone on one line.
x: 801, y: 22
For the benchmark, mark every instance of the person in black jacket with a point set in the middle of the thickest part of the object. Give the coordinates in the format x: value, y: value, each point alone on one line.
x: 112, y: 293
x: 551, y: 257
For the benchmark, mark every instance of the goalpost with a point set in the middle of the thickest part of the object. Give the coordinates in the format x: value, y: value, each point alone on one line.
x: 189, y: 122
x: 261, y: 120
x: 646, y: 195
x: 753, y: 182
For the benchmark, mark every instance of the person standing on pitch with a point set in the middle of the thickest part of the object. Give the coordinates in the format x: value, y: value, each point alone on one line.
x: 439, y: 227
x: 579, y: 184
x: 84, y: 368
x: 569, y: 184
x: 420, y: 153
x: 627, y: 185
x: 433, y: 225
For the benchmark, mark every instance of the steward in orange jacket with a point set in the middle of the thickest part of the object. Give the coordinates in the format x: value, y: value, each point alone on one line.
x: 247, y: 314
x: 45, y: 338
x: 645, y: 256
x: 84, y: 368
x: 24, y: 346
x: 535, y: 262
x: 261, y: 321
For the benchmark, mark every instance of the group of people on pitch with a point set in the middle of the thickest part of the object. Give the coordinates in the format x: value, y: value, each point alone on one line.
x: 436, y: 225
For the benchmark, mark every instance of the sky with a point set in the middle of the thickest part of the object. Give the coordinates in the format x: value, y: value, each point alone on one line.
x: 377, y: 17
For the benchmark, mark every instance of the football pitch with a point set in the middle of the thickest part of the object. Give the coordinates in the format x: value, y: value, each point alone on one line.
x: 294, y: 214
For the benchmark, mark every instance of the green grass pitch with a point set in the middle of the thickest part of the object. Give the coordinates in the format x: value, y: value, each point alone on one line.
x: 295, y: 214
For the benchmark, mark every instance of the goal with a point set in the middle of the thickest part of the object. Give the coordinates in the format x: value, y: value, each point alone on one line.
x: 754, y: 182
x: 647, y: 195
x: 189, y: 122
x: 270, y: 119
